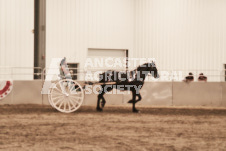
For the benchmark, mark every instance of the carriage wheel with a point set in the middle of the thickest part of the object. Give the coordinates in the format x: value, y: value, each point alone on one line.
x: 66, y: 95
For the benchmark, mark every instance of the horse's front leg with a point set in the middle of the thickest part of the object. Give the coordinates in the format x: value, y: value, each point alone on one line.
x: 134, y: 102
x: 134, y: 98
x: 139, y: 97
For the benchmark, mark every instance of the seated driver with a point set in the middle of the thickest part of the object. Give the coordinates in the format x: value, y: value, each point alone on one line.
x: 64, y: 70
x: 65, y: 73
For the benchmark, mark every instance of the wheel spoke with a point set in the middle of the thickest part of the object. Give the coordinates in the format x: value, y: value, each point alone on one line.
x: 55, y: 100
x: 58, y: 101
x: 64, y: 106
x: 62, y: 87
x: 76, y: 89
x: 76, y: 93
x: 72, y: 103
x: 77, y: 97
x: 76, y: 101
x: 69, y: 106
x: 59, y: 90
x: 61, y: 104
x: 72, y: 87
x: 57, y: 97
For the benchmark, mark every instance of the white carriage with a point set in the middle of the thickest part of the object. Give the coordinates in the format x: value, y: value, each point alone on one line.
x: 67, y: 95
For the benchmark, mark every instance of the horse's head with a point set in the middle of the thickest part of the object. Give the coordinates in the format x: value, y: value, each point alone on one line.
x: 145, y: 69
x: 153, y: 69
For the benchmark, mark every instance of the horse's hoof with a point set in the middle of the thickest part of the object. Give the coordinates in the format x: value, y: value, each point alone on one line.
x: 136, y: 111
x: 99, y: 109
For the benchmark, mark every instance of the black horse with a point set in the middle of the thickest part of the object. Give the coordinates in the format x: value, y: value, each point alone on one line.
x: 130, y: 81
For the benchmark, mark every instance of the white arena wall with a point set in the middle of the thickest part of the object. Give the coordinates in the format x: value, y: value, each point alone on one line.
x: 188, y: 35
x: 181, y: 34
x: 195, y: 94
x: 73, y: 26
x: 16, y: 38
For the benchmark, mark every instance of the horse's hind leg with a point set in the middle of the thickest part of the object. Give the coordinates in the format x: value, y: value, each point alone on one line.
x: 103, y: 102
x: 100, y: 96
x: 98, y: 102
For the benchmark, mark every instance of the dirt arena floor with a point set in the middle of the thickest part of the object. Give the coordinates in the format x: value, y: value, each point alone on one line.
x: 37, y: 127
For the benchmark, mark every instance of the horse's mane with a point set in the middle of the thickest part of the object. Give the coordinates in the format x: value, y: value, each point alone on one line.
x: 132, y: 72
x: 147, y: 64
